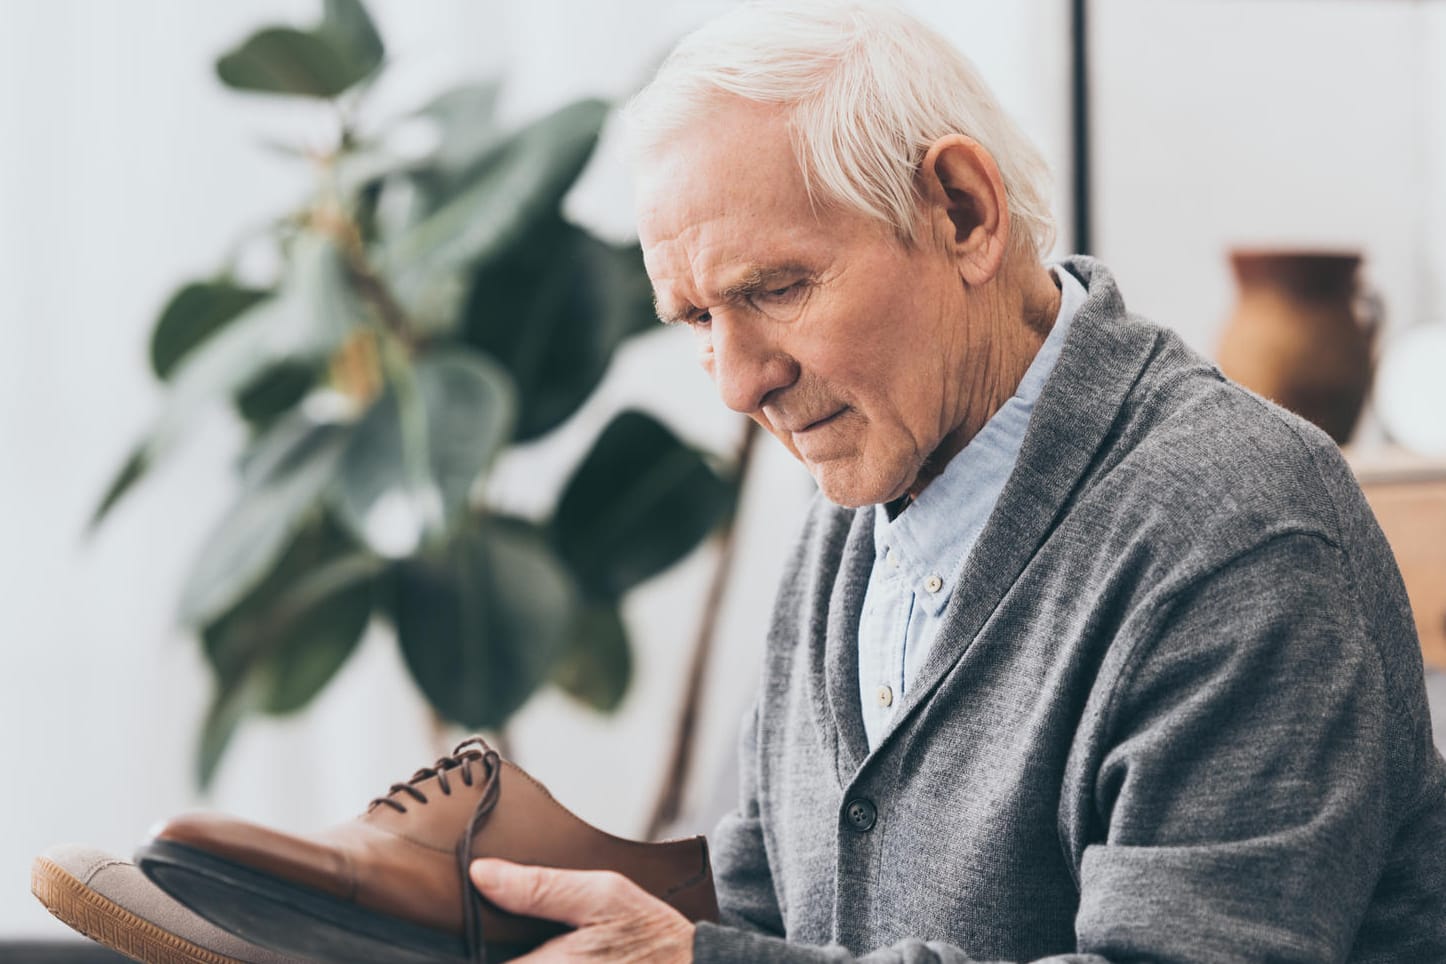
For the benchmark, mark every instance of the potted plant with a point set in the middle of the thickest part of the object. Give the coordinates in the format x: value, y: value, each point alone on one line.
x: 429, y: 312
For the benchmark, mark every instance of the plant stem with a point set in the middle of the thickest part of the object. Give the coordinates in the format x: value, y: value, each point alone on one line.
x: 371, y: 287
x: 331, y: 218
x: 680, y: 760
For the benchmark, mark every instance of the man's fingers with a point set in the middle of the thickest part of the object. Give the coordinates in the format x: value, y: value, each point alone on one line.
x: 576, y: 897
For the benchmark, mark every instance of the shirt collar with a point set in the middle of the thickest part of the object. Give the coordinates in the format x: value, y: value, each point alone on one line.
x: 930, y: 541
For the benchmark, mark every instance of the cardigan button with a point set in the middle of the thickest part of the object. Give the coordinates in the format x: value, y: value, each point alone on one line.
x: 860, y: 815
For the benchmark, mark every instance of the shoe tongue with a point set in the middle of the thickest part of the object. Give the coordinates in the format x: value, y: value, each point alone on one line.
x: 472, y: 749
x: 473, y: 746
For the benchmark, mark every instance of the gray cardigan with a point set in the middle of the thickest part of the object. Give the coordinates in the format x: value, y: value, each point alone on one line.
x: 1175, y: 713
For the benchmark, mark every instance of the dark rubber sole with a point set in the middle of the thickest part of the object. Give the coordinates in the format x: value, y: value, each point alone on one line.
x: 293, y: 919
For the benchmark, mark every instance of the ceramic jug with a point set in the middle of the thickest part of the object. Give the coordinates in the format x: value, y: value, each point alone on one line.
x: 1302, y: 334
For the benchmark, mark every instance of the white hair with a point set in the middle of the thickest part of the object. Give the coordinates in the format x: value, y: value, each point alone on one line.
x: 869, y: 88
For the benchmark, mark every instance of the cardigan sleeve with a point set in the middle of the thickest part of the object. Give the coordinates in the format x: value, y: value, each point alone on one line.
x: 1254, y: 763
x: 1246, y: 779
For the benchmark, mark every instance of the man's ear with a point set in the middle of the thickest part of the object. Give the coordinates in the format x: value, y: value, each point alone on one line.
x: 964, y: 202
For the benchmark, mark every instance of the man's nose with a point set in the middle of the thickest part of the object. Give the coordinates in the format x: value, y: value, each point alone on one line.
x: 747, y: 366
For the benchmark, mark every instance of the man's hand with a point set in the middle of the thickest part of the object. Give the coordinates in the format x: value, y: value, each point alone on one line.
x: 616, y: 920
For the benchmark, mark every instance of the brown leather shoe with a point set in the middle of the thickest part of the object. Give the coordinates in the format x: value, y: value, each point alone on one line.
x: 392, y: 885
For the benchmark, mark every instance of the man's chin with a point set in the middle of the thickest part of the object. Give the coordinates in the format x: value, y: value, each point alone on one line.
x: 846, y: 490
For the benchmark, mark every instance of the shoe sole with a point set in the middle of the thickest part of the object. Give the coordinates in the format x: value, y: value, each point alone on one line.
x: 108, y: 923
x: 295, y: 919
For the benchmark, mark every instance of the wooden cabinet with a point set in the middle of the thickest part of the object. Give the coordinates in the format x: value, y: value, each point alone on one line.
x: 1408, y: 495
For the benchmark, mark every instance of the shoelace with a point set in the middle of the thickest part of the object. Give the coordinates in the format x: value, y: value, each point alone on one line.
x: 469, y: 751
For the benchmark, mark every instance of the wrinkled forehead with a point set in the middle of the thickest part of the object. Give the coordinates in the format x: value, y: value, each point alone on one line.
x: 736, y: 162
x: 705, y: 229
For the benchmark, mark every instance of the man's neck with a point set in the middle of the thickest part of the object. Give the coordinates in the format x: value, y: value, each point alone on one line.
x: 1017, y: 339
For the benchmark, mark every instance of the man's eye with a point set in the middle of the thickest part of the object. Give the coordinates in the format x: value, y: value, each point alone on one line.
x: 782, y: 295
x: 689, y: 319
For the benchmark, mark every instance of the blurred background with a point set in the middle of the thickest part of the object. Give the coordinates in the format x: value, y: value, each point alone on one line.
x: 1227, y: 159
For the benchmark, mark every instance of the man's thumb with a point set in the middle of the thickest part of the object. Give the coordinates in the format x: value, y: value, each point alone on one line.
x: 569, y: 896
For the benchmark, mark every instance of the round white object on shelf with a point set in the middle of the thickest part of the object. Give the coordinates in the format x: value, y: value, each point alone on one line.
x: 1410, y: 391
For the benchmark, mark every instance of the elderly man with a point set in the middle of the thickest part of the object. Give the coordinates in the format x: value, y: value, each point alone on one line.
x: 1086, y: 653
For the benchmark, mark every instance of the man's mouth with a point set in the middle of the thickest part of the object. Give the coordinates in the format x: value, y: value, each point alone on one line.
x: 819, y: 422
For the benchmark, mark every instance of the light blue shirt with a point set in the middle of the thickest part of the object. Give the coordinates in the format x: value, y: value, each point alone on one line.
x: 918, y: 556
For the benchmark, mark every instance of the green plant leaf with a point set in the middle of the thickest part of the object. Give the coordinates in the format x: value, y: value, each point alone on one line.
x: 362, y: 168
x: 322, y: 62
x: 321, y: 304
x: 281, y: 60
x: 135, y: 467
x: 522, y: 180
x: 466, y: 116
x: 467, y: 140
x: 194, y: 313
x: 481, y: 623
x: 597, y: 664
x: 211, y: 370
x: 318, y: 562
x: 294, y: 642
x: 228, y: 708
x: 553, y: 308
x: 351, y: 27
x: 466, y: 133
x: 470, y: 405
x: 399, y: 484
x: 385, y: 493
x: 275, y: 391
x: 284, y: 474
x: 324, y: 640
x: 281, y: 644
x: 315, y: 309
x: 639, y: 502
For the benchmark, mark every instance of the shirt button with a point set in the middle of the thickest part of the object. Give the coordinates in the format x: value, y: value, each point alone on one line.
x: 860, y: 815
x: 892, y: 558
x: 886, y: 696
x: 933, y: 584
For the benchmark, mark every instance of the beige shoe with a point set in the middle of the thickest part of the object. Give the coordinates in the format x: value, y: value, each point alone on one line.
x: 110, y: 901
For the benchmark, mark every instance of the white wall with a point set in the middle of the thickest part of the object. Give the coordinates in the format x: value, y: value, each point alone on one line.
x: 1222, y: 123
x: 1432, y: 211
x: 124, y: 169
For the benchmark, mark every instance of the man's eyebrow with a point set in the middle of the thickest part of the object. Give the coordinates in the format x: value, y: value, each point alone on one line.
x: 760, y: 277
x: 667, y: 315
x: 754, y: 279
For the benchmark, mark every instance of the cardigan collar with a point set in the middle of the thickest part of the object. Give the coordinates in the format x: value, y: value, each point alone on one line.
x: 1103, y: 356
